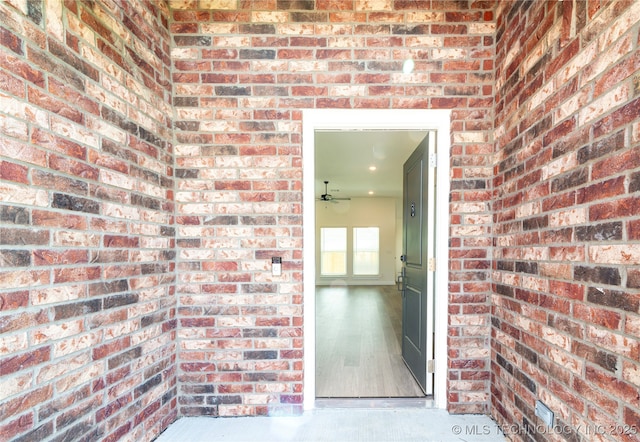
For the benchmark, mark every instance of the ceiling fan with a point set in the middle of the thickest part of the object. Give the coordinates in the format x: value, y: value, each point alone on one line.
x: 327, y: 197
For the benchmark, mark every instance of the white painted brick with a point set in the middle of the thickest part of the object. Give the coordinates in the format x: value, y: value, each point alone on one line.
x: 12, y: 385
x: 560, y: 165
x: 568, y: 217
x: 86, y: 375
x: 627, y: 254
x: 50, y: 372
x: 12, y: 193
x: 604, y: 104
x: 482, y: 28
x: 13, y: 127
x: 268, y: 16
x: 71, y: 238
x: 295, y: 29
x: 13, y: 343
x: 78, y: 133
x: 55, y: 331
x: 23, y: 111
x: 449, y: 54
x: 59, y: 293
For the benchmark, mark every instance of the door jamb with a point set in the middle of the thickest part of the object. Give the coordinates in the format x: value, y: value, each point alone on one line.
x: 385, y: 119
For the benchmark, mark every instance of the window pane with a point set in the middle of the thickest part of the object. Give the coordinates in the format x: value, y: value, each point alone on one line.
x: 333, y: 251
x: 366, y: 251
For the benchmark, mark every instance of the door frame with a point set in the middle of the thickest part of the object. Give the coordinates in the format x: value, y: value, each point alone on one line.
x: 378, y: 119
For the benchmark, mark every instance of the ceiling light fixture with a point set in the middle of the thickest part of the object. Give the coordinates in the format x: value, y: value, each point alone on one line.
x: 372, y: 168
x: 371, y: 192
x: 407, y: 66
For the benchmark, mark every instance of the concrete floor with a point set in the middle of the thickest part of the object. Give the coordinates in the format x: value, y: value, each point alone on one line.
x: 339, y: 425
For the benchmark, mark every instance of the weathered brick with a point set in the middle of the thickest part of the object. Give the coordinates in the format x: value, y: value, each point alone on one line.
x: 14, y: 215
x: 23, y: 237
x: 15, y: 258
x: 631, y: 419
x: 633, y: 278
x: 148, y: 385
x: 76, y: 274
x: 617, y: 209
x: 17, y: 362
x: 120, y: 300
x: 608, y: 361
x: 184, y: 40
x: 600, y: 232
x: 57, y: 182
x: 43, y: 100
x: 40, y: 433
x: 125, y: 357
x: 614, y: 299
x: 621, y: 116
x: 76, y: 309
x: 13, y: 300
x: 604, y: 275
x: 13, y: 172
x: 75, y: 203
x: 73, y: 60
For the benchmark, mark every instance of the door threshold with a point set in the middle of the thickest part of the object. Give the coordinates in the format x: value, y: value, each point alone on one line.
x: 421, y: 402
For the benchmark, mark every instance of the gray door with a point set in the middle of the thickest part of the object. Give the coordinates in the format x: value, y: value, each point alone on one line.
x: 415, y: 310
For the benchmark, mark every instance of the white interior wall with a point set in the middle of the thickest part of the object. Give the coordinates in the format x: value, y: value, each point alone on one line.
x: 361, y: 212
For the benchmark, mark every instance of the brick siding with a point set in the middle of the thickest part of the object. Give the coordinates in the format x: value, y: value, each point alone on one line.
x: 566, y: 209
x: 87, y: 305
x: 241, y: 77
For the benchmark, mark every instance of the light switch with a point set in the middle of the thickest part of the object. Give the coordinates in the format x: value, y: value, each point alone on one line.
x: 276, y: 266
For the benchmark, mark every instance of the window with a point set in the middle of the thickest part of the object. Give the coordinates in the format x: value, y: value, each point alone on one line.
x: 366, y: 250
x: 333, y: 251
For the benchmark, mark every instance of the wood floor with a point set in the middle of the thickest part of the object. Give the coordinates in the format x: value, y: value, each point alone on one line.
x: 358, y: 344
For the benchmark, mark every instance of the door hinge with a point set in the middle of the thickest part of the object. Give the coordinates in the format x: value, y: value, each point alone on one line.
x: 431, y: 366
x: 431, y: 264
x: 433, y: 161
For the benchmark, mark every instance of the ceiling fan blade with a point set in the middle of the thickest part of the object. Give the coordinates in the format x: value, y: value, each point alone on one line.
x: 328, y: 198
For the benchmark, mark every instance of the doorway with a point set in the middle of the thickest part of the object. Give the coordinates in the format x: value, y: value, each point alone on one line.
x: 331, y: 119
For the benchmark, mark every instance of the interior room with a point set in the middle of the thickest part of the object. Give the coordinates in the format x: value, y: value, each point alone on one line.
x: 359, y: 244
x: 158, y: 196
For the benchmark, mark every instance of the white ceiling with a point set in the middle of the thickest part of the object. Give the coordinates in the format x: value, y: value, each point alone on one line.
x: 343, y: 158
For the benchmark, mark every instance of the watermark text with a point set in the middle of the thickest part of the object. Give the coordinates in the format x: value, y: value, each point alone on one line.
x: 588, y: 430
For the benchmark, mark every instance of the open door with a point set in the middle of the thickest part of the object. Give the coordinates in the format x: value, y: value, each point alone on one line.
x: 418, y: 266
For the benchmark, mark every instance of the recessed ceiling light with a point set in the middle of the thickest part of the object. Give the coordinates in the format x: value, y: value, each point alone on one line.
x: 371, y: 192
x: 407, y: 66
x: 372, y: 168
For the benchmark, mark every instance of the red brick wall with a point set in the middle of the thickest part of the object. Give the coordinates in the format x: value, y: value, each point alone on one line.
x: 87, y: 305
x: 241, y: 78
x: 565, y: 323
x: 87, y: 203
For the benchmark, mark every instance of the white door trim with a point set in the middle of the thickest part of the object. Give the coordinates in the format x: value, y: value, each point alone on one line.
x: 354, y: 119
